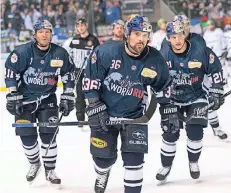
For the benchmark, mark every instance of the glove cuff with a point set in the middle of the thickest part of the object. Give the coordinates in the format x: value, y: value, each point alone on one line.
x: 168, y: 109
x: 96, y: 110
x: 216, y: 91
x: 68, y: 96
x: 14, y: 96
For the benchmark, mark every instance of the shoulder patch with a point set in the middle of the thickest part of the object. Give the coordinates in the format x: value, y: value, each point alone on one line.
x: 146, y: 72
x: 14, y: 58
x: 93, y: 58
x: 211, y: 58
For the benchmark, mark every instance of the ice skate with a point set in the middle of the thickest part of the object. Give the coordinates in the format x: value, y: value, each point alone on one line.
x: 52, y: 177
x: 219, y: 133
x: 194, y: 170
x: 162, y: 174
x: 33, y: 172
x: 101, y: 182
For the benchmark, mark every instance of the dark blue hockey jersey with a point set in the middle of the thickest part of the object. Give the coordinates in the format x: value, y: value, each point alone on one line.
x: 193, y: 37
x: 121, y: 81
x: 188, y: 73
x: 36, y: 76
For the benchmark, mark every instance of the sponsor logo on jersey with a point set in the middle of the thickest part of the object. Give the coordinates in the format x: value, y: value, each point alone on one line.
x: 99, y: 143
x: 22, y: 121
x: 75, y: 41
x: 56, y: 63
x: 124, y: 86
x: 192, y: 64
x: 89, y: 43
x: 14, y: 58
x: 37, y: 77
x: 181, y: 78
x: 146, y: 72
x: 140, y: 135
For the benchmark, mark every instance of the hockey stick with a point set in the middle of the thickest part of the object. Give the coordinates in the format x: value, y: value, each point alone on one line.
x: 53, y: 138
x: 141, y: 120
x: 82, y: 67
x: 201, y: 111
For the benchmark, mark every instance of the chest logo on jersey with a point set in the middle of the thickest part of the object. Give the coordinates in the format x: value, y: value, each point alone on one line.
x: 56, y: 63
x: 194, y: 64
x: 148, y: 73
x: 75, y: 41
x: 123, y: 85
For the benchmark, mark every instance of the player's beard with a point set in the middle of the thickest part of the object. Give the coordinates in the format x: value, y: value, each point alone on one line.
x: 119, y: 35
x: 137, y: 49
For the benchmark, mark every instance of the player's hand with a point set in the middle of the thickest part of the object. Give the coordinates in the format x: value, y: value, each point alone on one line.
x: 67, y: 103
x: 97, y: 115
x: 14, y: 103
x: 169, y: 118
x: 217, y: 99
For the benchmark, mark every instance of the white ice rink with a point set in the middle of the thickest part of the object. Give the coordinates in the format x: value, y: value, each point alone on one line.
x: 75, y: 166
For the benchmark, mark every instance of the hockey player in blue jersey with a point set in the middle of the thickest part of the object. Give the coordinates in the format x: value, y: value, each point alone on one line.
x: 115, y: 84
x: 192, y: 37
x: 188, y: 63
x: 199, y: 40
x: 32, y: 72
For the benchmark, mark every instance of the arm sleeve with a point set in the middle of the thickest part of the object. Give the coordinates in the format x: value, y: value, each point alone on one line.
x: 68, y: 72
x: 213, y: 69
x: 95, y: 73
x: 13, y: 67
x: 161, y: 85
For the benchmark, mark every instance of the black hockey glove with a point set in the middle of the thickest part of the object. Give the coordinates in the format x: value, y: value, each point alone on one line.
x: 169, y: 118
x: 97, y: 115
x: 14, y: 103
x: 67, y: 103
x: 217, y: 99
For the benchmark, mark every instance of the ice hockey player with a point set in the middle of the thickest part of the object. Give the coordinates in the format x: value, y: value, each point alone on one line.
x: 115, y: 85
x: 32, y: 72
x: 78, y: 48
x: 158, y: 37
x: 197, y: 39
x: 118, y: 31
x: 188, y: 63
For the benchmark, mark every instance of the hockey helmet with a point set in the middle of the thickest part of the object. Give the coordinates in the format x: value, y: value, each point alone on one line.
x: 182, y: 18
x: 174, y: 27
x: 136, y: 22
x: 42, y: 24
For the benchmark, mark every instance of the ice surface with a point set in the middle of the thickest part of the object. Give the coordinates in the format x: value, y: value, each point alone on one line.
x: 75, y: 166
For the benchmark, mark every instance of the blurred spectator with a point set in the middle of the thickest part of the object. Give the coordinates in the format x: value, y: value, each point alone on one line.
x: 3, y: 16
x: 71, y: 17
x: 60, y: 19
x: 27, y: 17
x: 112, y: 13
x: 13, y: 18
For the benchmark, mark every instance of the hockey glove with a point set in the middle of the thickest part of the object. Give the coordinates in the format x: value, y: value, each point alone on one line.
x: 14, y: 103
x: 97, y: 115
x: 217, y: 99
x: 67, y: 103
x: 169, y: 118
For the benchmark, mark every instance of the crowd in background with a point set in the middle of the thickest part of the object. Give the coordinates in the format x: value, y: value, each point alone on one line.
x: 18, y: 15
x: 213, y: 9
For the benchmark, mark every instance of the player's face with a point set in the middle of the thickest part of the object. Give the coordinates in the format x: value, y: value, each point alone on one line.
x: 177, y: 40
x: 43, y: 37
x: 82, y: 28
x: 138, y: 40
x: 187, y: 28
x: 118, y: 31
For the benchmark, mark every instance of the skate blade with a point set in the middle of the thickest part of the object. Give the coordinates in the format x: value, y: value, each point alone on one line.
x: 160, y: 183
x: 55, y: 186
x: 31, y: 182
